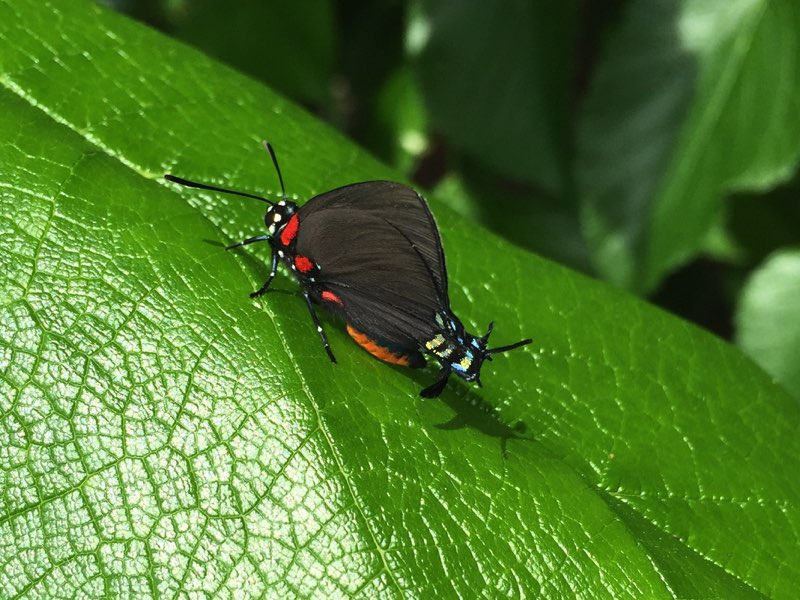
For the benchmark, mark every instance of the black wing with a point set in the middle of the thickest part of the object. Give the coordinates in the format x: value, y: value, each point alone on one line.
x: 378, y: 249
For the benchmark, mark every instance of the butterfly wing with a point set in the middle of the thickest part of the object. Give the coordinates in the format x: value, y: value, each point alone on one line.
x: 379, y: 252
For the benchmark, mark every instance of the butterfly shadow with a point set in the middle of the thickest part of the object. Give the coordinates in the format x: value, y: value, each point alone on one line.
x: 472, y: 411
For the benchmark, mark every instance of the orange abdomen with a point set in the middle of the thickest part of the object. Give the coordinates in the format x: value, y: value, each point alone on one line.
x: 376, y: 350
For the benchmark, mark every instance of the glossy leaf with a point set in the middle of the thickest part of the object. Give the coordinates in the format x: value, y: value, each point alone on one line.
x: 693, y: 99
x: 164, y: 436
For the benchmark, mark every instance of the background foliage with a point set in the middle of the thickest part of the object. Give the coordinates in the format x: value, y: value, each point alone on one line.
x: 163, y: 436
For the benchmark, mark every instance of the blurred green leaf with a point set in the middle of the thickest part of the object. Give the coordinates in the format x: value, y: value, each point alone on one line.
x: 162, y: 435
x: 693, y: 99
x: 495, y: 81
x: 290, y: 44
x: 768, y: 318
x: 530, y: 219
x: 400, y: 128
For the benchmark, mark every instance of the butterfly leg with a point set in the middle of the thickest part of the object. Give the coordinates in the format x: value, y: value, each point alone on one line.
x: 319, y: 327
x: 274, y: 269
x: 434, y: 390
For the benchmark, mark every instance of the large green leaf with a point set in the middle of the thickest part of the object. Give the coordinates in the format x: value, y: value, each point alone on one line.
x: 695, y: 98
x: 163, y: 435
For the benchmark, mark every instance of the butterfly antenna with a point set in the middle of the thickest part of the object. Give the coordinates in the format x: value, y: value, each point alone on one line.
x: 205, y: 186
x: 271, y: 151
x: 509, y: 347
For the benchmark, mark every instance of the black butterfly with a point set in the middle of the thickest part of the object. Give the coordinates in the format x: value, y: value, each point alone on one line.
x: 370, y: 253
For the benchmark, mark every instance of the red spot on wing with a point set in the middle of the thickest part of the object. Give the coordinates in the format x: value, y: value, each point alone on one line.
x: 377, y: 351
x: 331, y: 297
x: 289, y: 232
x: 303, y: 263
